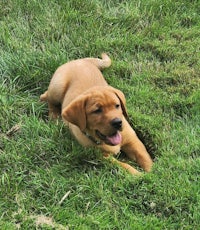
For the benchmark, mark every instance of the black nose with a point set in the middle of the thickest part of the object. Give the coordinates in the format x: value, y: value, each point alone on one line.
x: 117, y: 123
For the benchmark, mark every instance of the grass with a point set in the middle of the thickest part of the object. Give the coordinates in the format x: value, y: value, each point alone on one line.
x: 155, y: 48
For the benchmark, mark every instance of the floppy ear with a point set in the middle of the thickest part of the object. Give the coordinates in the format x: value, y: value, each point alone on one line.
x: 75, y: 112
x: 122, y: 99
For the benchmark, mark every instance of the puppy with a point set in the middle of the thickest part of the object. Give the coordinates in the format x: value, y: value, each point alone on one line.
x: 94, y: 111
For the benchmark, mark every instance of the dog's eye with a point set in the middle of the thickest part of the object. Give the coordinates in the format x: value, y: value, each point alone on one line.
x: 117, y: 106
x: 97, y: 111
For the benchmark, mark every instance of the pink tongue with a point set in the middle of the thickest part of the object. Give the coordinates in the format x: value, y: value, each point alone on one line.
x: 115, y: 139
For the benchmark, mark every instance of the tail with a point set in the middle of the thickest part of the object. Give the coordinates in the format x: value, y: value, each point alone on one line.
x: 103, y: 63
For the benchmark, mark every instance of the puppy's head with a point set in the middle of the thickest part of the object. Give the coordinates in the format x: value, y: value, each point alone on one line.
x: 99, y: 111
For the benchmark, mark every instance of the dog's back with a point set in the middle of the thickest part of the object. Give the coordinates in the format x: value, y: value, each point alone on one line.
x: 75, y: 77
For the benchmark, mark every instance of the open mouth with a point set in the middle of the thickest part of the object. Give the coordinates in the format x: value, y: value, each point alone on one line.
x: 114, y: 139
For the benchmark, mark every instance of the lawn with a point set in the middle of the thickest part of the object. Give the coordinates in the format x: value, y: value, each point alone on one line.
x: 47, y: 180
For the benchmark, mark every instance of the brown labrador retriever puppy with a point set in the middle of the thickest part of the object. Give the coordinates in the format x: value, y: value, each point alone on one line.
x: 94, y: 111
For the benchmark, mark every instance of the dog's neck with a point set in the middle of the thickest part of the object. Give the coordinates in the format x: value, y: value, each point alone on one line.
x: 97, y: 142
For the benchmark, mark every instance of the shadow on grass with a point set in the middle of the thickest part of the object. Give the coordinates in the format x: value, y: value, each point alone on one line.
x: 147, y: 139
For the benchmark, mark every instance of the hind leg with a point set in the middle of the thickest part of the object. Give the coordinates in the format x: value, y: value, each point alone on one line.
x: 44, y: 96
x: 54, y: 111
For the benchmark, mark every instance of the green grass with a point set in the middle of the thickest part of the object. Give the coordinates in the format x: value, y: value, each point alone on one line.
x: 155, y: 48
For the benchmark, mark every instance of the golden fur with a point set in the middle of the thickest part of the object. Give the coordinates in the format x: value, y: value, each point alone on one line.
x: 94, y: 111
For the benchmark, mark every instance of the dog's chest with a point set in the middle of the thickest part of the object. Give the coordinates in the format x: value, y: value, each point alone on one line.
x: 85, y: 141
